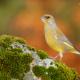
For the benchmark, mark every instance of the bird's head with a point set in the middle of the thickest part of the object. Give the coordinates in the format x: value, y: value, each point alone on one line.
x: 47, y: 19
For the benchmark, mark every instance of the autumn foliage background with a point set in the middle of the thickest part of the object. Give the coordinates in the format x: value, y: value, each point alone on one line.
x: 22, y: 18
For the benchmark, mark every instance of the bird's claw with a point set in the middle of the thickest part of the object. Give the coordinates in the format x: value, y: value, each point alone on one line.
x: 58, y: 57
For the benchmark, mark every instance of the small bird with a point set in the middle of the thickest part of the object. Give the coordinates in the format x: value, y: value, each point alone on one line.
x: 55, y: 38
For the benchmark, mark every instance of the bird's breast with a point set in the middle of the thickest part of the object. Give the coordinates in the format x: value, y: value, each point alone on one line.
x: 51, y: 39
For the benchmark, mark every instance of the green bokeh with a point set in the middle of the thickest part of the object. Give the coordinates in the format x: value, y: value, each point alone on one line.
x: 9, y: 9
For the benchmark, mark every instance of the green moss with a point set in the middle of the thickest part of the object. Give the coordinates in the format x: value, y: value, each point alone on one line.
x: 12, y: 60
x: 4, y: 76
x: 39, y: 70
x: 31, y: 48
x: 15, y: 64
x: 5, y: 41
x: 45, y: 77
x: 60, y: 72
x: 42, y: 54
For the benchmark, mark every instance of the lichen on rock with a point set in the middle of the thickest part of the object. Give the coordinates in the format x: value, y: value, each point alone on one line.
x: 19, y: 61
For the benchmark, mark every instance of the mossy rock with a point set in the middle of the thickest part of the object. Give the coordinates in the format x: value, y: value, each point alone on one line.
x: 12, y: 59
x: 42, y: 54
x: 16, y: 57
x: 60, y: 72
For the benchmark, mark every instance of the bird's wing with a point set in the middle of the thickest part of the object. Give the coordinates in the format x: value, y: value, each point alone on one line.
x: 62, y: 39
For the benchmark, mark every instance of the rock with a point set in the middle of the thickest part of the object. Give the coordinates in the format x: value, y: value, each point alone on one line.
x: 19, y: 61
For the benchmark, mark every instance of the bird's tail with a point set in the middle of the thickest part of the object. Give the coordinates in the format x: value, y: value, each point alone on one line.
x: 76, y: 52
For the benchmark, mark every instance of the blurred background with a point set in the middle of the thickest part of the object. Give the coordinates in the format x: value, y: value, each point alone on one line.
x: 22, y: 18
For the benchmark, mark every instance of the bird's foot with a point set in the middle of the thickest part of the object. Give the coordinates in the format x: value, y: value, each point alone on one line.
x: 58, y: 57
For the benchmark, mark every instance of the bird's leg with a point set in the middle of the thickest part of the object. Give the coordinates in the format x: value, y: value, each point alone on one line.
x: 60, y: 56
x: 56, y: 56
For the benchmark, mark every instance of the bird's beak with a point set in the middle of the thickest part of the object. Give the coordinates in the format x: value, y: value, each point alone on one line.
x: 42, y: 19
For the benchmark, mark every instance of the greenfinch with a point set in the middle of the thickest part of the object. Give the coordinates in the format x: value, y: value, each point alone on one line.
x: 55, y: 38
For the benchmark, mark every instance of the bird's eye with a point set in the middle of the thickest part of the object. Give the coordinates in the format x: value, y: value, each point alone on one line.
x: 47, y: 17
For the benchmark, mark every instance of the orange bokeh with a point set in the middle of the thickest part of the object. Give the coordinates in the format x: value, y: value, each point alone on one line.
x: 76, y: 15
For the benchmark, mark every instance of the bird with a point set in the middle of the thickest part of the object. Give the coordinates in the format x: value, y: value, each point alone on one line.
x: 55, y: 38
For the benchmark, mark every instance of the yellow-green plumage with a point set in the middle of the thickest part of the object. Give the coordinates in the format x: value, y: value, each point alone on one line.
x: 55, y: 38
x: 51, y: 41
